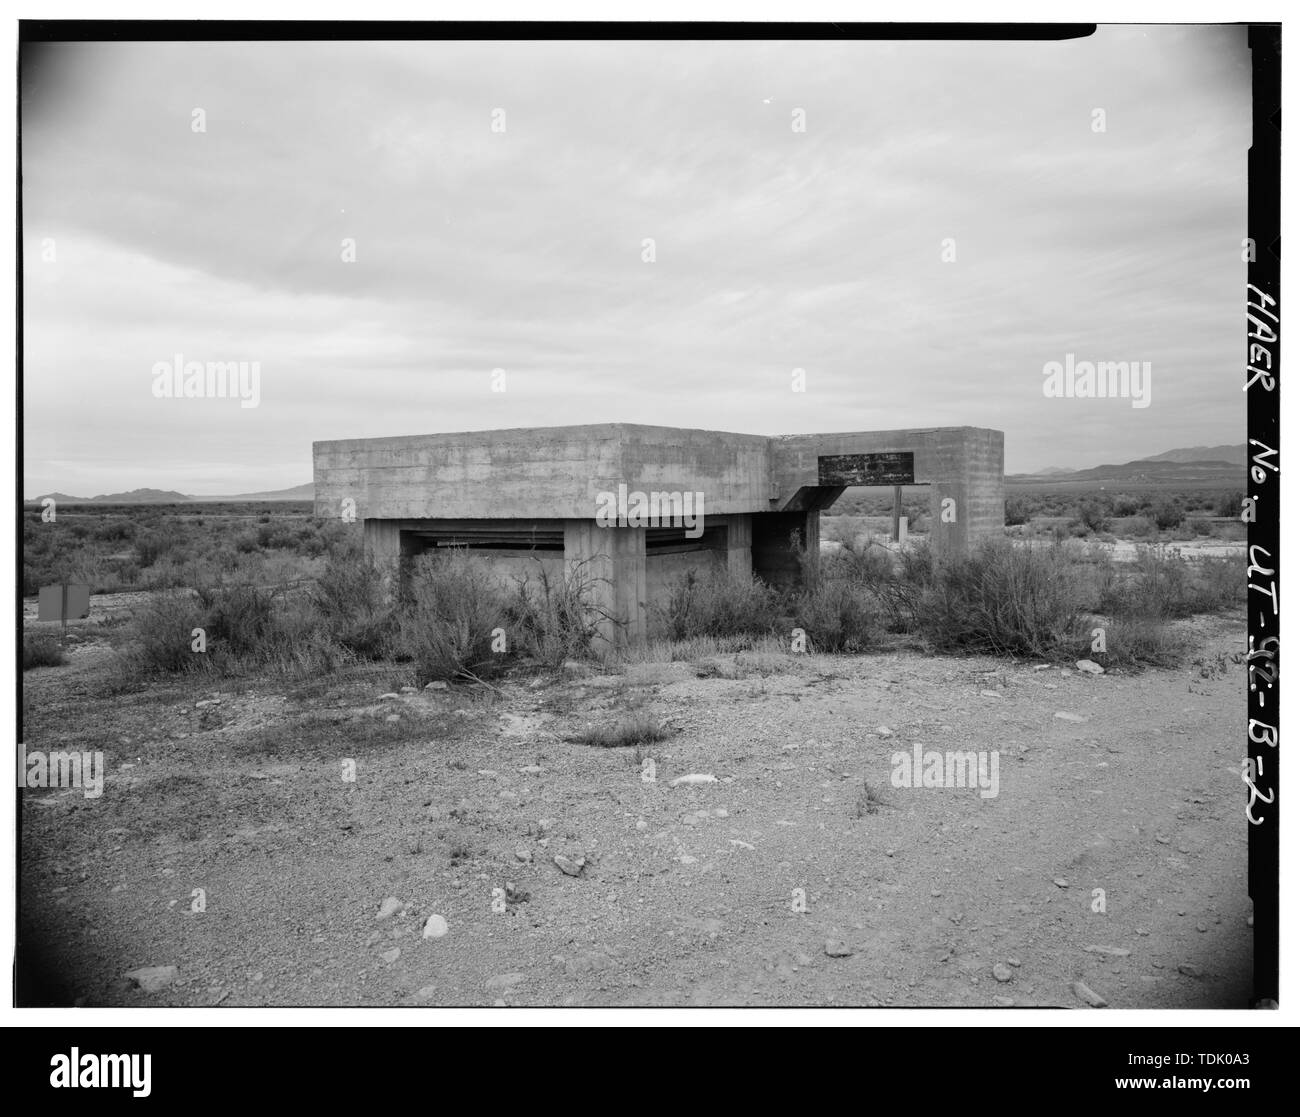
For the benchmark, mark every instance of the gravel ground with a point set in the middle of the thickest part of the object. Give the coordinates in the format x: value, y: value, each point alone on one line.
x: 780, y: 882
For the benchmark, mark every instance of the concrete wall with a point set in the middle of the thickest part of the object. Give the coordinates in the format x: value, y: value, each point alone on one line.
x: 963, y: 464
x: 553, y: 472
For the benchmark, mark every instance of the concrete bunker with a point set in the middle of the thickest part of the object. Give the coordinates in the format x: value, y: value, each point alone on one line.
x: 641, y: 505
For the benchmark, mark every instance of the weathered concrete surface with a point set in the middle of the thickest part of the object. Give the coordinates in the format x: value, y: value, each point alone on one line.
x: 509, y: 490
x: 543, y: 471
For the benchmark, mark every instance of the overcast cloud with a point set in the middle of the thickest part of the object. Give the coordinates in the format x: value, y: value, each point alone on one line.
x: 523, y: 249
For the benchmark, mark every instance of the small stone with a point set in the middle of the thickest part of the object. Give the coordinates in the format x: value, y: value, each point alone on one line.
x: 393, y: 717
x: 1189, y: 970
x: 153, y: 979
x: 408, y: 690
x: 531, y: 769
x: 1162, y: 839
x: 487, y: 772
x: 990, y: 694
x: 437, y: 684
x: 1013, y: 962
x: 1088, y: 996
x: 1091, y: 668
x: 1002, y: 973
x: 1202, y: 928
x: 1061, y: 882
x: 694, y: 778
x: 387, y: 697
x: 1141, y: 931
x: 373, y: 938
x: 641, y: 824
x: 720, y: 812
x: 889, y: 853
x: 567, y: 867
x: 837, y: 948
x: 1109, y: 951
x: 435, y: 927
x: 1004, y: 1002
x: 391, y: 906
x: 391, y: 956
x: 524, y: 855
x: 1069, y: 717
x: 935, y: 893
x: 884, y: 731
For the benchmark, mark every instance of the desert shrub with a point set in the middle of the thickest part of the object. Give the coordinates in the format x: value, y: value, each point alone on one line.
x: 1138, y: 639
x: 115, y: 530
x: 1092, y: 515
x: 163, y: 633
x: 1125, y: 505
x: 42, y: 651
x: 1229, y: 504
x: 859, y: 561
x: 246, y: 542
x: 150, y: 546
x: 1017, y: 511
x: 239, y: 620
x: 838, y: 615
x: 1168, y: 514
x: 1141, y: 527
x: 718, y: 603
x: 641, y: 728
x: 1005, y: 599
x: 450, y: 606
x: 554, y: 618
x: 352, y: 602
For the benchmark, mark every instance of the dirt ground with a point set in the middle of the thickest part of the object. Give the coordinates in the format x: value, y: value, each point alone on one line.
x: 686, y: 894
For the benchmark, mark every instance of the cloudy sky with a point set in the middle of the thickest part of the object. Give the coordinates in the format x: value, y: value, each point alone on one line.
x: 524, y: 249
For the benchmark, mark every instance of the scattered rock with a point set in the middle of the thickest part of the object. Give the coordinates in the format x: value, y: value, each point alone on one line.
x: 884, y: 731
x: 1004, y: 1002
x: 1070, y: 717
x: 487, y: 771
x: 1002, y: 973
x: 524, y: 855
x: 1090, y: 667
x: 1013, y: 962
x: 569, y: 868
x: 990, y: 694
x: 738, y: 842
x: 641, y: 824
x: 393, y: 717
x: 437, y: 684
x: 1110, y: 951
x: 424, y: 994
x: 408, y: 690
x: 531, y: 769
x: 391, y: 906
x: 1061, y: 882
x: 391, y: 956
x: 1189, y: 970
x: 387, y: 697
x: 153, y: 979
x: 837, y: 948
x: 1202, y: 928
x: 695, y: 778
x: 435, y: 927
x: 1088, y: 997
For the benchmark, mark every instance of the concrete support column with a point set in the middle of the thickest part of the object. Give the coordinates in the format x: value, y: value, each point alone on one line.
x: 382, y: 540
x: 613, y: 566
x: 740, y: 540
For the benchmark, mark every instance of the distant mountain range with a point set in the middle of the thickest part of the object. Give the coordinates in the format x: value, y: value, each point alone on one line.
x: 167, y: 496
x: 1192, y: 464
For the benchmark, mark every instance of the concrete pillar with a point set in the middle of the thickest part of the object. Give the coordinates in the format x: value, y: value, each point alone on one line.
x: 382, y: 540
x: 740, y: 539
x: 612, y: 561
